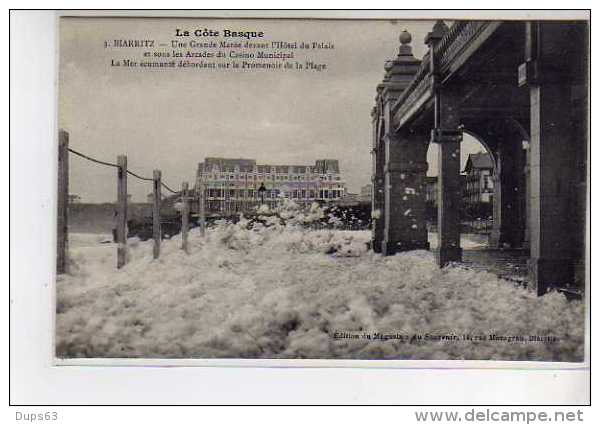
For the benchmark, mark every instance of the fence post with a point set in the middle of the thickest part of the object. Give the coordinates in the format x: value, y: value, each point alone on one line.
x: 156, y: 234
x: 185, y: 215
x: 122, y: 211
x: 202, y: 208
x: 63, y: 200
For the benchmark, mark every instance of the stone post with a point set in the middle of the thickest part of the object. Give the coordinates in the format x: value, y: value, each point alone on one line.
x: 449, y: 192
x: 405, y: 170
x: 527, y: 173
x: 156, y: 203
x: 377, y: 207
x: 495, y: 239
x: 507, y: 229
x: 551, y: 157
x: 447, y: 135
x: 62, y: 232
x: 551, y: 255
x: 122, y: 213
x: 399, y: 73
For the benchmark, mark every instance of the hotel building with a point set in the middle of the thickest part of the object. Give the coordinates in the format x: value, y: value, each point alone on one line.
x: 238, y: 185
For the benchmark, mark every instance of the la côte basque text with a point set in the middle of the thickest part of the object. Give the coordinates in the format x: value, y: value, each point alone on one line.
x: 216, y: 33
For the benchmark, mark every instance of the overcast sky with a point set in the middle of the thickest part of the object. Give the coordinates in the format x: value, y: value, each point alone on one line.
x: 171, y: 119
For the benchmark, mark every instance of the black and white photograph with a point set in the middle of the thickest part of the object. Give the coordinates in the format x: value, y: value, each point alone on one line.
x: 335, y: 189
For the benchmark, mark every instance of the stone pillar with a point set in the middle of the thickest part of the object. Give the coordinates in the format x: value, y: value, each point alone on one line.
x: 527, y: 172
x: 507, y: 229
x: 495, y: 239
x: 551, y: 158
x: 377, y: 213
x: 448, y: 137
x: 580, y: 206
x: 399, y: 73
x: 550, y: 173
x: 405, y: 170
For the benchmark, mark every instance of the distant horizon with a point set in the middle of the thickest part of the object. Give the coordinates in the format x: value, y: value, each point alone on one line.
x: 474, y: 145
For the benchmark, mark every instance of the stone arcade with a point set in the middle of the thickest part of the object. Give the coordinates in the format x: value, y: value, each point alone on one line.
x: 520, y: 88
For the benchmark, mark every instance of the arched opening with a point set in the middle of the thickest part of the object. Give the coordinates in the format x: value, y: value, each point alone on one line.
x: 478, y: 173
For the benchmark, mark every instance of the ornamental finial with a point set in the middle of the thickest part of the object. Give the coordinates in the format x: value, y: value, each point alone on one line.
x: 405, y: 47
x: 405, y: 37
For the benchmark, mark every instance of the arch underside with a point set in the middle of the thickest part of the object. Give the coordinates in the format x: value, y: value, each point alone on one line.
x: 535, y: 131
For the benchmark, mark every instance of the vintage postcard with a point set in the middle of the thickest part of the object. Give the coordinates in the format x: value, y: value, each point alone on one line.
x: 364, y: 189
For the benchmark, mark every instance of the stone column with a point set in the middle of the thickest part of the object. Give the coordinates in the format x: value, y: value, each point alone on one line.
x: 399, y: 73
x: 550, y: 173
x: 527, y: 172
x: 448, y: 137
x: 377, y: 213
x: 551, y: 158
x: 495, y: 239
x: 405, y: 170
x: 507, y: 229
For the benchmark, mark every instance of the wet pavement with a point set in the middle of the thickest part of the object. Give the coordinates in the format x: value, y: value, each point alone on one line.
x: 509, y: 264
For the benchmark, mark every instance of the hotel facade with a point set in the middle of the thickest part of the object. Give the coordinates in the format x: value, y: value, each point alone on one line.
x: 232, y: 186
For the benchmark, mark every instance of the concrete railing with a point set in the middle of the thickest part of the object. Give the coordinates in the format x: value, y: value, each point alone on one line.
x: 460, y: 35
